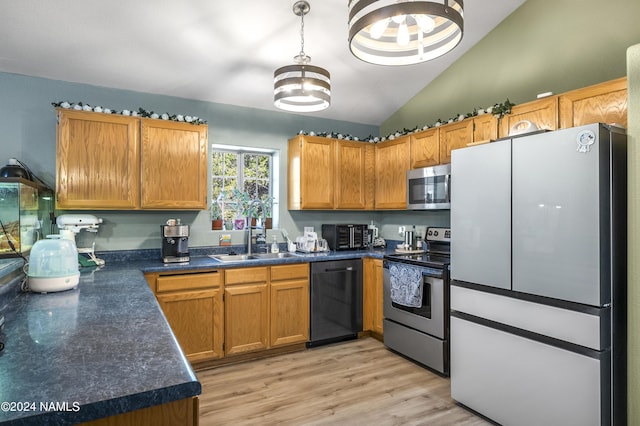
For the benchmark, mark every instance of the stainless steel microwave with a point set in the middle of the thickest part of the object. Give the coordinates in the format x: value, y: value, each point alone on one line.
x: 429, y: 188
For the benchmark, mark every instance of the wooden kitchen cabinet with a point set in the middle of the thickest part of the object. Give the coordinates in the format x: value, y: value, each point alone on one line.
x: 173, y: 166
x: 97, y: 163
x: 485, y: 128
x: 354, y: 166
x: 246, y: 299
x: 193, y: 305
x: 392, y: 160
x: 425, y: 148
x: 373, y: 303
x: 311, y: 173
x: 541, y: 112
x: 289, y: 304
x: 453, y: 136
x: 114, y: 162
x: 601, y: 103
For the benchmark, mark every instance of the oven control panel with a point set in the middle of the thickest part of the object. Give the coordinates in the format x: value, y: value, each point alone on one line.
x: 438, y: 234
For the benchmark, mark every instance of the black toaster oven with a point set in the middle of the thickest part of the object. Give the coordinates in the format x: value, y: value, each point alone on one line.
x: 346, y: 236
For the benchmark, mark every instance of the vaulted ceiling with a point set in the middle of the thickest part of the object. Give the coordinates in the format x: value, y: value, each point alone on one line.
x: 215, y: 50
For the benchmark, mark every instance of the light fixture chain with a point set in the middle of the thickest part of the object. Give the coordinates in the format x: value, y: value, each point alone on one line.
x: 302, y: 54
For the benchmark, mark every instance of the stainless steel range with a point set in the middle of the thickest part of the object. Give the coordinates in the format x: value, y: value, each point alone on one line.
x: 416, y: 302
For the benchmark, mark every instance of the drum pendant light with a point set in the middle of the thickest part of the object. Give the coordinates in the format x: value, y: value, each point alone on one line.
x: 301, y: 87
x: 404, y: 32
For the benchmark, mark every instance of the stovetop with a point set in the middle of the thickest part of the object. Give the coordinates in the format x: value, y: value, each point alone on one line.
x: 432, y: 260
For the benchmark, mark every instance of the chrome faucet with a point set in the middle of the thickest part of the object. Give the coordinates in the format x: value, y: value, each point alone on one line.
x: 250, y: 211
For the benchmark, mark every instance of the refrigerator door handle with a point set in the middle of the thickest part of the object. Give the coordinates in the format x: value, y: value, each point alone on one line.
x: 447, y: 185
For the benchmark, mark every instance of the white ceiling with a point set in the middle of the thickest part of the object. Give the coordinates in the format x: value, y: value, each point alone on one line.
x: 215, y: 50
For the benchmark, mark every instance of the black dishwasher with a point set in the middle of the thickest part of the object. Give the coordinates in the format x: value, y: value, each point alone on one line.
x: 336, y: 301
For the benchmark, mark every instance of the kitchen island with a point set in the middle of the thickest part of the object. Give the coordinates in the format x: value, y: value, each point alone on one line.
x: 104, y: 348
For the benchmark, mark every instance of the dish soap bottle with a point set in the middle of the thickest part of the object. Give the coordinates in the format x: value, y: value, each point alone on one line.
x: 274, y: 245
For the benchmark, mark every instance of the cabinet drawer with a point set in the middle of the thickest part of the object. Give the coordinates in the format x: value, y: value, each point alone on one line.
x: 188, y: 281
x: 287, y: 272
x: 246, y: 275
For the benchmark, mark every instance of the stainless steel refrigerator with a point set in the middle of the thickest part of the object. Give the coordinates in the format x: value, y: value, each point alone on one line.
x: 538, y: 268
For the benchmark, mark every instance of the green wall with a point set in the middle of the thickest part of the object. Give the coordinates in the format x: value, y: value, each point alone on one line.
x: 545, y: 45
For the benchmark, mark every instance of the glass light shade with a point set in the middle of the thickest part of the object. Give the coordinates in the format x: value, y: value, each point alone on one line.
x: 302, y: 88
x: 378, y: 33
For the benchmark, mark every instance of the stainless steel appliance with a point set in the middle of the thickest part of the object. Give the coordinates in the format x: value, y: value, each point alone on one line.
x: 336, y: 301
x: 429, y: 188
x: 538, y: 271
x: 419, y: 330
x: 175, y: 242
x: 346, y: 236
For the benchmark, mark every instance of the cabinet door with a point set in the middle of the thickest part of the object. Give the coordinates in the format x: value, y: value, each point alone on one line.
x: 543, y: 113
x: 425, y: 148
x: 350, y: 181
x: 373, y: 305
x: 454, y: 136
x: 392, y: 163
x: 485, y: 128
x: 196, y: 319
x: 96, y: 161
x: 173, y: 165
x: 600, y: 103
x: 246, y: 318
x: 289, y: 312
x: 311, y: 173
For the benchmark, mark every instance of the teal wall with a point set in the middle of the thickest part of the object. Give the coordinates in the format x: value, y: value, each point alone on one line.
x: 545, y: 45
x: 27, y: 132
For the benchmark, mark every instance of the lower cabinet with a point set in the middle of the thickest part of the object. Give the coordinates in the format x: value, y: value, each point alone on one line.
x: 193, y: 306
x: 373, y: 304
x: 266, y: 307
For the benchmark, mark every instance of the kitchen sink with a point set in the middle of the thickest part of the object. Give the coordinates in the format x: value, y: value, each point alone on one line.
x: 255, y: 256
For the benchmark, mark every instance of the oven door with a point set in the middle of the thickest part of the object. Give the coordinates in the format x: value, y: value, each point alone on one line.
x: 428, y: 318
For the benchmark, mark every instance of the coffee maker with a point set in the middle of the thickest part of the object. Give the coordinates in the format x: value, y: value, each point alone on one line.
x: 175, y: 241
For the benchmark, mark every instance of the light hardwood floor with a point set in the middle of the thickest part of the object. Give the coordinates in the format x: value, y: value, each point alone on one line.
x: 350, y: 383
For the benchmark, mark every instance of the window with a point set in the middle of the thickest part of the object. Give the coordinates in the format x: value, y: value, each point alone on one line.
x: 241, y: 174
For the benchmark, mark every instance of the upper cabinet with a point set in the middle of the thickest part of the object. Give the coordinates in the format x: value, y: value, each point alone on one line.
x: 392, y: 162
x: 97, y: 163
x: 354, y: 164
x: 311, y: 173
x: 453, y: 136
x: 113, y: 162
x: 604, y: 103
x: 541, y: 112
x: 425, y: 148
x: 326, y: 173
x: 173, y: 165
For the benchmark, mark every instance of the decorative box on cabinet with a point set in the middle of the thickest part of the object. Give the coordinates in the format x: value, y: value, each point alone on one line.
x: 114, y: 162
x: 192, y: 303
x: 601, y: 103
x: 541, y: 112
x: 392, y: 161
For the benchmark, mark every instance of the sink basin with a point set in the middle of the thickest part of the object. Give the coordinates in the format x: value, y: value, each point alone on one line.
x: 282, y: 255
x: 230, y: 257
x: 255, y: 256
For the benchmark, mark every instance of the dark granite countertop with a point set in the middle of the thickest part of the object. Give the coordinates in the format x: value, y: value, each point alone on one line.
x: 104, y: 348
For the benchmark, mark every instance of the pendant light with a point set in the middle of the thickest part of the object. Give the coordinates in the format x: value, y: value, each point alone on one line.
x: 301, y: 87
x: 404, y: 32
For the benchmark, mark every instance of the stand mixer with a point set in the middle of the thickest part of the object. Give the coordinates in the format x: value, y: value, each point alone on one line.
x: 71, y: 226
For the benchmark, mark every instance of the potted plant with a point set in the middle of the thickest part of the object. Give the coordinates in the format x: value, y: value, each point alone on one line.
x: 242, y: 201
x: 267, y: 202
x: 216, y: 215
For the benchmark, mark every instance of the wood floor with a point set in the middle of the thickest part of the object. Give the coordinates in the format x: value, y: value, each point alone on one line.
x: 351, y: 383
